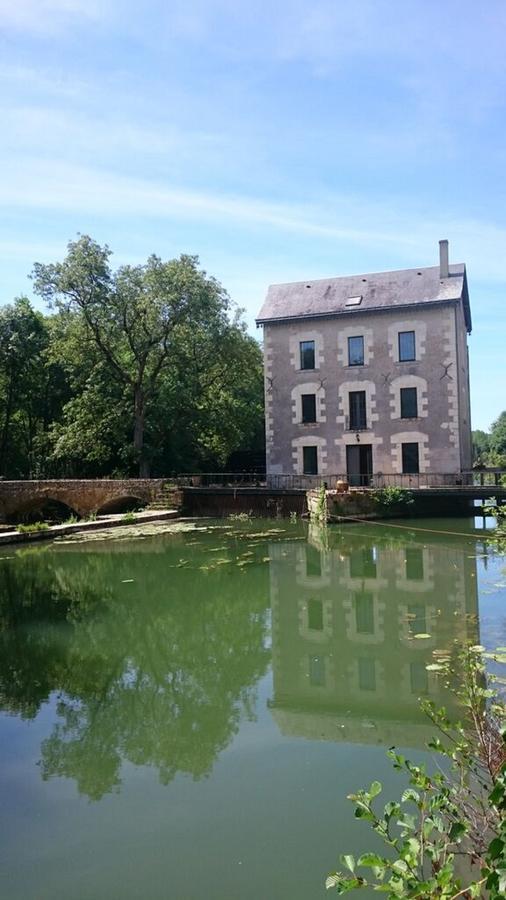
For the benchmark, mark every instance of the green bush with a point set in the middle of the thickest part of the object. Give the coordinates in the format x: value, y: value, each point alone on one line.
x: 128, y: 518
x: 391, y: 497
x: 456, y: 813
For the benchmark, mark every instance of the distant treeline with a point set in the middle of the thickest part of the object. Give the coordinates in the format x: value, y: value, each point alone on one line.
x: 141, y: 370
x: 489, y: 447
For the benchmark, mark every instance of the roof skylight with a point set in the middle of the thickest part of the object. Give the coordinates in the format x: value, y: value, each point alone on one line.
x: 354, y: 301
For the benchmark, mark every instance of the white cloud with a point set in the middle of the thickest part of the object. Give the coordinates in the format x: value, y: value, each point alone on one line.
x: 404, y: 234
x: 38, y: 184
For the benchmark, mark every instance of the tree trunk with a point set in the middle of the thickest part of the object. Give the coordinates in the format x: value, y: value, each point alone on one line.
x: 139, y: 402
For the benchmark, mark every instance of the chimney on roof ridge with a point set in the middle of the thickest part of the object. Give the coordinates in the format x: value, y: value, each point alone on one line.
x: 444, y: 269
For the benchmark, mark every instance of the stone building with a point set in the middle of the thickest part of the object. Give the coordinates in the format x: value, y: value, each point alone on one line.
x: 369, y: 373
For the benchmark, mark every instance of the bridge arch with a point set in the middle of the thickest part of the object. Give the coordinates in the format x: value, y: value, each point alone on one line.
x: 41, y: 508
x: 80, y: 496
x: 122, y: 504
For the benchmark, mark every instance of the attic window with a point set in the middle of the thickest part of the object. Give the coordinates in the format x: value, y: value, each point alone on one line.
x: 354, y: 301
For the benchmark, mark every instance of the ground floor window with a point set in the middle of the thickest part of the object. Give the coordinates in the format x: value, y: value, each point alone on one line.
x: 310, y: 460
x: 410, y: 459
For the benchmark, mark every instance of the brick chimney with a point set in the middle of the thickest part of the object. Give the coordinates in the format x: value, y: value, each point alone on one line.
x: 444, y: 270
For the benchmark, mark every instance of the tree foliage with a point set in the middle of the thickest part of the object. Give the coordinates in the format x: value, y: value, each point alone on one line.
x: 498, y: 435
x: 32, y: 388
x: 481, y: 445
x: 489, y: 448
x: 446, y: 837
x: 143, y: 369
x: 162, y: 683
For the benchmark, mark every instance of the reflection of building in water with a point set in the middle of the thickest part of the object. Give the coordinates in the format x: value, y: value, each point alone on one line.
x: 348, y: 664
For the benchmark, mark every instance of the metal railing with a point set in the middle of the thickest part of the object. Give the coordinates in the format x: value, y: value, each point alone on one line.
x: 489, y: 478
x: 378, y: 480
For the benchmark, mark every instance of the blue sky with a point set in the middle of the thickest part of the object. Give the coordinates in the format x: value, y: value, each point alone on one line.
x: 277, y: 140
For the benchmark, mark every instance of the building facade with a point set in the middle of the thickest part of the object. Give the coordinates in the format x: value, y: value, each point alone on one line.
x: 369, y: 374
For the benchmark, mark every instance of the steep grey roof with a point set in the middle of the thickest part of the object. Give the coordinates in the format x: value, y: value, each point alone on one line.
x: 379, y: 291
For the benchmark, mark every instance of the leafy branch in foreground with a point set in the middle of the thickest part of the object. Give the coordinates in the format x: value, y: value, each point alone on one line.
x: 446, y: 837
x: 497, y: 511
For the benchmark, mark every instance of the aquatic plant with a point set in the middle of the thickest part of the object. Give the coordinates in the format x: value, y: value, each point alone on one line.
x: 456, y: 813
x: 318, y: 514
x: 34, y: 527
x: 128, y: 518
x: 498, y: 511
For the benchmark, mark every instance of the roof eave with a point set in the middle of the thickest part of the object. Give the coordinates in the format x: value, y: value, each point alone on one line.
x: 282, y: 320
x: 466, y: 305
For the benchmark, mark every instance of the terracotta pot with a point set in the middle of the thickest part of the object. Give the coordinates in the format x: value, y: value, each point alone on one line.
x: 342, y: 487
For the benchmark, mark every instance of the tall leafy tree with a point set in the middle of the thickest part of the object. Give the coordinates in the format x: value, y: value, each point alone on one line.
x: 131, y: 317
x: 31, y: 387
x: 211, y: 402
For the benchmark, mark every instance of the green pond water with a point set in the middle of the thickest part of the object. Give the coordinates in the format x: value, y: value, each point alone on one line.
x: 182, y: 715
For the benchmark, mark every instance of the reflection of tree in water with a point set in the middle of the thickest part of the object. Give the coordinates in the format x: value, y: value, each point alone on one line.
x: 156, y: 678
x: 37, y: 613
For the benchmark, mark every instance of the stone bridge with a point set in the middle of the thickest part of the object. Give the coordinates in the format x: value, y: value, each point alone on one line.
x: 21, y: 500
